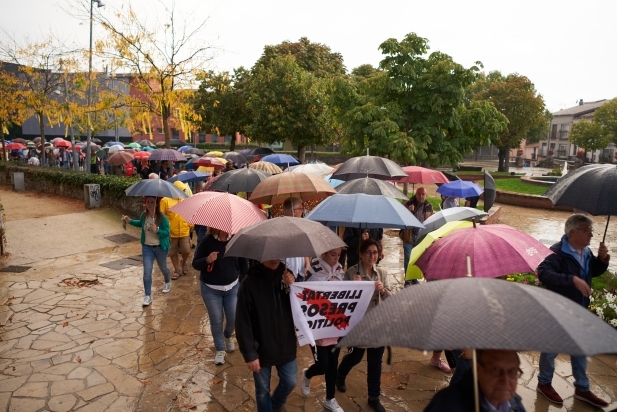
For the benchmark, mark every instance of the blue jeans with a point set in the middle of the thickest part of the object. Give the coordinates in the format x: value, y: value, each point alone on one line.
x: 149, y: 253
x: 287, y: 372
x: 217, y: 302
x: 579, y: 370
x: 407, y: 247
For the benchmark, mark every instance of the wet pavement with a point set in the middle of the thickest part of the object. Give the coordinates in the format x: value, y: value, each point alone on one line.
x: 74, y: 335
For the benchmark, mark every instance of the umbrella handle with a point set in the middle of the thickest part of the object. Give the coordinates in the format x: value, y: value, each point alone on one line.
x: 606, y: 228
x: 476, y: 391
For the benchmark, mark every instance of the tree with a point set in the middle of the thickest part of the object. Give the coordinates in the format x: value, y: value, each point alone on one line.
x: 164, y: 60
x: 11, y: 107
x: 287, y: 102
x: 589, y: 135
x: 541, y: 130
x: 606, y: 117
x: 514, y: 96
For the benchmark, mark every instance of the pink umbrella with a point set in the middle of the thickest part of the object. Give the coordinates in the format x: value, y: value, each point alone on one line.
x: 417, y: 174
x: 221, y: 211
x: 495, y: 250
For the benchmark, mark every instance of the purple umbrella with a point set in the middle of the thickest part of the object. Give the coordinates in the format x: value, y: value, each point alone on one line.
x: 167, y: 154
x: 495, y: 250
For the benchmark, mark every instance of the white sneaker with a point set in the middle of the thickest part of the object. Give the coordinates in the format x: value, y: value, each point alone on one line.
x: 332, y: 405
x: 230, y: 345
x: 167, y: 287
x: 219, y: 358
x: 305, y: 386
x: 147, y: 300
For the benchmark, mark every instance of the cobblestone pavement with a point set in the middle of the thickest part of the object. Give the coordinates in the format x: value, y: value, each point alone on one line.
x: 74, y: 336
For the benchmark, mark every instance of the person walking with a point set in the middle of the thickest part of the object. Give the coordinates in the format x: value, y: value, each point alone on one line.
x: 154, y: 244
x: 422, y: 210
x: 180, y: 230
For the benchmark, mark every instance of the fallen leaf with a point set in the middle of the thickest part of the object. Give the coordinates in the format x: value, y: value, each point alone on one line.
x: 145, y: 382
x: 197, y: 391
x: 175, y: 398
x: 47, y: 350
x: 215, y: 381
x: 92, y: 341
x: 107, y: 333
x: 78, y: 359
x: 183, y: 385
x: 187, y: 406
x: 65, y: 324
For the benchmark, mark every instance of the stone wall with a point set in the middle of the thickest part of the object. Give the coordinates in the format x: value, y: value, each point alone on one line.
x: 523, y: 200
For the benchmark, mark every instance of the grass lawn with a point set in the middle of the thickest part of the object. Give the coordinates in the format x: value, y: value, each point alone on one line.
x: 516, y: 185
x: 464, y: 172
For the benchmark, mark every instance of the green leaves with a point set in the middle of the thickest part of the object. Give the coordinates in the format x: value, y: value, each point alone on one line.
x: 589, y: 135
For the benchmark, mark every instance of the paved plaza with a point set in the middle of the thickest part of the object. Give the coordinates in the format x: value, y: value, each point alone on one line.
x: 74, y: 336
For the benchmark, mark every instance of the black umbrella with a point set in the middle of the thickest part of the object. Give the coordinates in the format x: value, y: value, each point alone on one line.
x: 241, y: 180
x: 145, y: 143
x: 490, y: 191
x: 167, y: 154
x: 95, y: 140
x: 591, y: 188
x: 369, y: 166
x: 370, y: 186
x: 176, y: 142
x: 237, y: 159
x: 262, y: 151
x: 155, y: 187
x: 194, y: 151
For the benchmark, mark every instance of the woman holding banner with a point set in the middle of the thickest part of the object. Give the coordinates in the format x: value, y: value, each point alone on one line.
x: 324, y: 268
x: 370, y: 250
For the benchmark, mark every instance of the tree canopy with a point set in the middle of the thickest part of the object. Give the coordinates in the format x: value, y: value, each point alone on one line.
x: 606, y: 117
x: 589, y: 135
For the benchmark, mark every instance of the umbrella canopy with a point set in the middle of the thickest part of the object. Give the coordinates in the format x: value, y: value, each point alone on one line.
x: 483, y: 314
x: 495, y: 250
x: 56, y: 139
x: 167, y: 154
x: 142, y: 155
x: 319, y: 169
x: 412, y: 271
x: 134, y: 145
x: 460, y: 188
x: 189, y: 177
x: 95, y: 140
x: 281, y: 159
x: 176, y: 142
x: 333, y: 182
x: 363, y: 211
x: 194, y: 151
x: 16, y: 146
x: 183, y: 148
x: 159, y: 144
x: 237, y: 159
x: 277, y: 188
x: 221, y: 211
x: 145, y: 143
x: 490, y: 191
x: 109, y: 144
x: 215, y: 153
x: 256, y: 153
x: 120, y: 158
x: 449, y: 215
x: 370, y: 186
x: 241, y: 180
x: 417, y: 174
x: 266, y: 167
x: 37, y: 140
x: 115, y: 149
x: 369, y: 166
x: 155, y: 187
x: 283, y: 237
x: 19, y: 140
x: 147, y: 149
x: 60, y: 143
x: 209, y: 162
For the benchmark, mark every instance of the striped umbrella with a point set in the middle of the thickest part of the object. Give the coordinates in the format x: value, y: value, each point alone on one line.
x: 222, y: 211
x: 167, y: 154
x: 209, y: 162
x: 277, y: 188
x: 266, y: 167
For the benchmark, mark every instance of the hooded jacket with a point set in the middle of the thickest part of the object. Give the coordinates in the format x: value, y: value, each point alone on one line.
x: 264, y: 323
x: 177, y: 225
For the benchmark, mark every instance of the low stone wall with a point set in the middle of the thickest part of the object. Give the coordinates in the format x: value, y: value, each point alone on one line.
x: 493, y: 216
x: 479, y: 177
x: 524, y: 200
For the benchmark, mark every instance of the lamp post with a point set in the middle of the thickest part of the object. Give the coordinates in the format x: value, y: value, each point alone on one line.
x: 88, y: 166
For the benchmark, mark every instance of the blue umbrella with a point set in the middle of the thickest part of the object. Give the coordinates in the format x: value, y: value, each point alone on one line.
x: 155, y: 187
x: 280, y: 159
x: 333, y: 182
x: 189, y: 177
x: 183, y: 148
x: 460, y: 188
x: 147, y: 149
x: 363, y: 211
x: 109, y: 144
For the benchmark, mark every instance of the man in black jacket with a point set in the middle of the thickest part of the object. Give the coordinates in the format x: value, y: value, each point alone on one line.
x: 266, y: 334
x: 568, y: 272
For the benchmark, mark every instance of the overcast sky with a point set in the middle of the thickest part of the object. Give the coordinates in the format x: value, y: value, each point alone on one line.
x: 567, y: 48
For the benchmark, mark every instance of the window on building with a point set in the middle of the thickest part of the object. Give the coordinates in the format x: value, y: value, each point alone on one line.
x: 554, y: 132
x: 543, y: 149
x: 175, y: 133
x: 202, y: 137
x: 562, y: 152
x: 564, y: 131
x: 159, y: 130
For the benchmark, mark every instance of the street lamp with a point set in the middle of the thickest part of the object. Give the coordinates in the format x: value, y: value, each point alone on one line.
x: 88, y: 168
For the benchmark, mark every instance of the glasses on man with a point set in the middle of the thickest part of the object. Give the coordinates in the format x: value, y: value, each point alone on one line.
x: 497, y: 372
x: 586, y: 230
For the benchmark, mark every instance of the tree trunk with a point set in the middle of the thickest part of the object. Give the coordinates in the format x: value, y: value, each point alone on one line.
x: 42, y: 129
x: 301, y: 154
x: 165, y: 115
x: 4, y: 154
x: 504, y: 159
x: 232, y: 145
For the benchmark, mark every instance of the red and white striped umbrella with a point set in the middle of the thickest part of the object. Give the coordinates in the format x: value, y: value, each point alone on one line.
x: 222, y: 211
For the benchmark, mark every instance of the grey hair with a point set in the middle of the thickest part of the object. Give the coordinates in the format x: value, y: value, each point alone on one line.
x: 153, y: 176
x: 290, y: 204
x: 575, y: 221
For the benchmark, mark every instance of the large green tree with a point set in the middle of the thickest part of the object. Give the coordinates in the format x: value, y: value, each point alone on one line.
x: 606, y: 117
x: 589, y: 135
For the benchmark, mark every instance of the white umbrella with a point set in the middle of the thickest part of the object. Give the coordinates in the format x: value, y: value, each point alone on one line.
x: 115, y: 149
x: 449, y: 215
x: 319, y: 169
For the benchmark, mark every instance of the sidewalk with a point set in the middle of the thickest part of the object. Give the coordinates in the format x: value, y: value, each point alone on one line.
x: 74, y: 335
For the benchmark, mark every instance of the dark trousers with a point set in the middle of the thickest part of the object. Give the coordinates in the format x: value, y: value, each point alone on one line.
x: 373, y: 375
x: 326, y: 364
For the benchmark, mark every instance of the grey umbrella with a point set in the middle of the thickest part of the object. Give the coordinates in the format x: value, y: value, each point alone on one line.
x: 283, y: 237
x: 449, y: 215
x: 369, y: 166
x: 370, y: 186
x: 155, y: 187
x: 241, y: 180
x: 167, y: 154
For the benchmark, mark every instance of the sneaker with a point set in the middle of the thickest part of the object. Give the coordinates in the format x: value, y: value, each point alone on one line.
x: 229, y: 345
x: 340, y: 384
x: 591, y: 398
x: 305, y: 387
x: 167, y: 287
x: 549, y: 393
x: 376, y: 405
x: 219, y: 358
x: 441, y: 364
x: 147, y: 300
x: 332, y: 405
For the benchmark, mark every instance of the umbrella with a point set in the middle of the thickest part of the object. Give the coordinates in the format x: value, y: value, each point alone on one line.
x: 16, y: 146
x: 159, y: 144
x: 37, y: 140
x: 95, y: 140
x: 120, y: 158
x: 19, y: 140
x: 183, y: 148
x: 109, y: 144
x: 241, y: 180
x: 283, y: 237
x: 363, y: 211
x: 591, y: 188
x: 460, y: 188
x: 30, y: 143
x: 333, y: 182
x: 209, y: 162
x: 266, y: 167
x: 63, y: 143
x: 483, y: 314
x: 369, y: 166
x: 145, y: 143
x: 167, y: 154
x: 319, y: 169
x: 256, y: 153
x: 449, y: 215
x: 115, y: 149
x: 281, y: 159
x: 277, y: 188
x: 189, y: 177
x: 102, y: 152
x: 417, y: 174
x: 490, y: 191
x: 147, y: 149
x: 495, y: 250
x: 237, y: 159
x: 194, y: 151
x: 412, y: 271
x: 215, y: 153
x: 222, y: 211
x: 134, y: 145
x: 176, y: 142
x: 370, y: 186
x: 57, y: 139
x: 142, y: 155
x: 155, y: 187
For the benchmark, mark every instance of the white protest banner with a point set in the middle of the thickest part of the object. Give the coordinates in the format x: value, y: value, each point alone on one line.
x: 328, y: 309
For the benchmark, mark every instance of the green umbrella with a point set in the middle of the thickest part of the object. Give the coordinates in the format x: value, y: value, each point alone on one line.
x: 134, y: 145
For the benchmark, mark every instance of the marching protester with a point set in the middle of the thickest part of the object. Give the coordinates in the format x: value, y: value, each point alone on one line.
x: 180, y: 230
